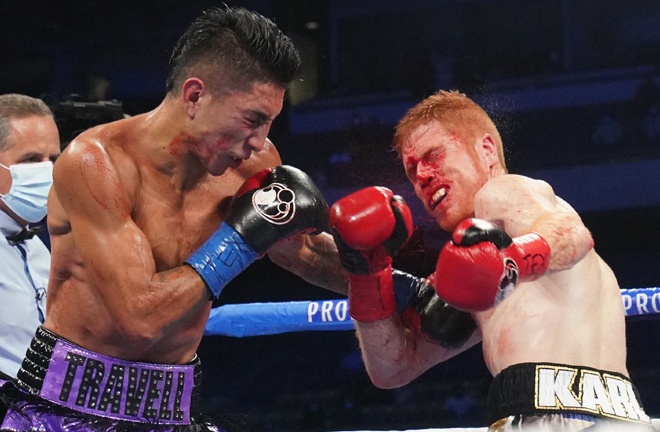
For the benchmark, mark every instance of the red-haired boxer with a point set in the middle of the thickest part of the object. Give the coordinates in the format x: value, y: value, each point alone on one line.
x: 144, y: 235
x: 521, y: 261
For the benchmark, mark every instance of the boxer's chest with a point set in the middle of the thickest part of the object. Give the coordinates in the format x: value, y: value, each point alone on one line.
x: 177, y: 222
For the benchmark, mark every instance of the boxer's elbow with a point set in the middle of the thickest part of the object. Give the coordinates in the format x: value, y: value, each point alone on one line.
x: 387, y: 380
x: 384, y: 383
x: 572, y: 250
x: 138, y: 337
x: 584, y: 242
x: 137, y: 333
x: 389, y: 371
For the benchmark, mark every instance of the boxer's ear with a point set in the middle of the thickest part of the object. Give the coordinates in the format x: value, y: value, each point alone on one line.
x: 191, y: 93
x: 487, y: 150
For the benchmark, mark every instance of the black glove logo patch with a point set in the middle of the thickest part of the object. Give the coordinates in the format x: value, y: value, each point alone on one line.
x: 276, y: 203
x: 508, y: 282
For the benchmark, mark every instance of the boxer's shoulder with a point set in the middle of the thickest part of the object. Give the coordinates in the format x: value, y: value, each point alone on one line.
x: 512, y: 185
x: 514, y: 201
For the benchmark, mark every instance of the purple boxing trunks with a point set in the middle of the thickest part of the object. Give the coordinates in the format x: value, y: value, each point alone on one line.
x: 64, y: 387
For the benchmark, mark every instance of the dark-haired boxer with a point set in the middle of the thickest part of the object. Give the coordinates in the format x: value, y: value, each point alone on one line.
x: 521, y: 262
x: 150, y: 217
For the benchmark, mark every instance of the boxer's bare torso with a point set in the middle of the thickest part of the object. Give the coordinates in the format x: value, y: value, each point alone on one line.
x: 117, y: 258
x: 573, y: 314
x: 132, y: 200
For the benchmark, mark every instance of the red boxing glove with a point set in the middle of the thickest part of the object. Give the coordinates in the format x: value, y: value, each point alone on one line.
x: 369, y: 226
x: 482, y: 264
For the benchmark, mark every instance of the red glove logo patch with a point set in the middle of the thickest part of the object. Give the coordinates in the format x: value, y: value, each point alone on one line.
x: 509, y: 280
x: 276, y: 203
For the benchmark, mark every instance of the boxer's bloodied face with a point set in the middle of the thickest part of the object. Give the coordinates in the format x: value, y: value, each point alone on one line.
x: 230, y: 126
x: 445, y: 172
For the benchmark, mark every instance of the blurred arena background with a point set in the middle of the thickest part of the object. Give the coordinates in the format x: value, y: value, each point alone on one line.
x: 574, y: 86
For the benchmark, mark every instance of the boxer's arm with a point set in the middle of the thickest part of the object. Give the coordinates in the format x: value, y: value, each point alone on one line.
x: 314, y: 259
x: 395, y: 355
x: 116, y: 254
x: 270, y: 206
x: 521, y: 205
x: 369, y: 226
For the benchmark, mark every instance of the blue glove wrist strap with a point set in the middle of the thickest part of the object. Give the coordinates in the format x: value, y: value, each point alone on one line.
x: 221, y: 258
x: 405, y: 289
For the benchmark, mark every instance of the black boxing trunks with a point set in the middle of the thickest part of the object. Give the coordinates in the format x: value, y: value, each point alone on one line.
x: 67, y: 385
x: 567, y: 393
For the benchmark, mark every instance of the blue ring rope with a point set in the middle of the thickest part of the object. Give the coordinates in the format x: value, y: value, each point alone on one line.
x: 259, y: 319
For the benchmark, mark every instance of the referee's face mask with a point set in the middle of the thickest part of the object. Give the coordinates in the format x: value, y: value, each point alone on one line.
x: 30, y: 184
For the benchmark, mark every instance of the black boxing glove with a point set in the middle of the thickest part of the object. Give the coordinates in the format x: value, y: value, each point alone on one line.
x: 270, y: 206
x: 425, y: 313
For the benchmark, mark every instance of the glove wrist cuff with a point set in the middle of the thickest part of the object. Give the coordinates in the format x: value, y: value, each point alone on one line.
x: 221, y: 258
x: 371, y: 296
x: 532, y: 256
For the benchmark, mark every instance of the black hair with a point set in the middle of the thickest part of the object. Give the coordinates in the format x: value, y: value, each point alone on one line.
x: 238, y: 46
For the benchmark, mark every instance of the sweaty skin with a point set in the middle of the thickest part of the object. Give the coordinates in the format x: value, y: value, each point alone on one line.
x: 134, y: 198
x: 573, y: 314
